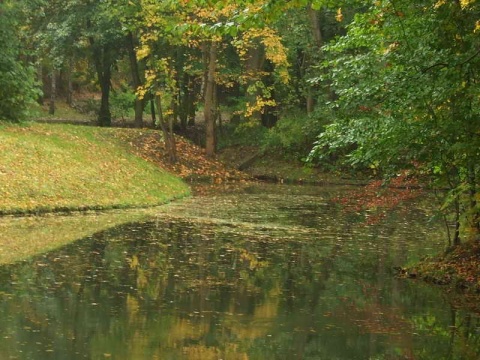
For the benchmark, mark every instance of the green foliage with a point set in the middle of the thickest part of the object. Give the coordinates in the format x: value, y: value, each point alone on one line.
x: 245, y: 134
x: 17, y: 86
x: 406, y: 76
x: 293, y: 135
x: 122, y: 103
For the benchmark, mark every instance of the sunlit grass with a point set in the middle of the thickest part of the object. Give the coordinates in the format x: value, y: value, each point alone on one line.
x: 45, y: 167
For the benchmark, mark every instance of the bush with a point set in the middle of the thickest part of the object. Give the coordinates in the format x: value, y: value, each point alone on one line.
x: 122, y: 103
x: 294, y: 135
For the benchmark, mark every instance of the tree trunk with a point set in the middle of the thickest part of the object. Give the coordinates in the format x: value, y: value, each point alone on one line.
x: 152, y: 110
x: 315, y: 26
x: 104, y: 115
x: 103, y: 60
x: 474, y: 216
x: 456, y: 234
x: 53, y: 92
x: 194, y: 90
x: 210, y: 140
x: 168, y: 136
x: 69, y: 83
x: 40, y: 98
x: 254, y: 66
x: 136, y: 81
x: 313, y: 16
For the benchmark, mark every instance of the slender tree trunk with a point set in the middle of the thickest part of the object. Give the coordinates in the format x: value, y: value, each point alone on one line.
x: 254, y: 66
x: 152, y: 110
x: 168, y: 136
x: 104, y: 115
x: 210, y: 141
x: 194, y: 94
x: 40, y: 98
x: 136, y: 81
x: 456, y: 234
x: 69, y: 83
x: 474, y: 215
x: 53, y: 91
x: 315, y: 25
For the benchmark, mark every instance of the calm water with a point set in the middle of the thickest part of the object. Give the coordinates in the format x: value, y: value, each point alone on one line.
x: 268, y: 272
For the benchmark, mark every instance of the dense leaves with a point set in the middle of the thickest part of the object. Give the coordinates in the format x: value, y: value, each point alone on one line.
x: 406, y: 77
x: 16, y: 75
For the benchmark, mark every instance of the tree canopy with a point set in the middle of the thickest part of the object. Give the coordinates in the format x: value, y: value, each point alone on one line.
x: 406, y: 77
x: 17, y: 85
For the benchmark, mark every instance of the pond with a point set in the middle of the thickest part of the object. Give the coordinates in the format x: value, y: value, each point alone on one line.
x: 256, y: 272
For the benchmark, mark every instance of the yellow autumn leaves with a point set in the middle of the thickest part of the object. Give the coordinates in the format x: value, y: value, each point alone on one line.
x: 197, y: 24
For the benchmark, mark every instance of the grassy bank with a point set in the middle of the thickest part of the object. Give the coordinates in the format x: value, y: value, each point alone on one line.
x: 47, y: 168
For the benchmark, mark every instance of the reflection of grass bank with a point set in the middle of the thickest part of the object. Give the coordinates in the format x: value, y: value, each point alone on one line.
x: 46, y: 168
x: 23, y: 237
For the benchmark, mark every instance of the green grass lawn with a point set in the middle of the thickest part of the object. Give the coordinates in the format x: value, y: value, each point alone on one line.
x: 52, y: 167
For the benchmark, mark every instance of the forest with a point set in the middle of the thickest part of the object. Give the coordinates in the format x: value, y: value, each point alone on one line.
x: 387, y: 88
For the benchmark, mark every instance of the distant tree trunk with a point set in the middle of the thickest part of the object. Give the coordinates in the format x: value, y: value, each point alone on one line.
x: 168, y: 135
x: 456, y: 234
x: 40, y: 98
x: 103, y: 60
x: 136, y: 81
x: 210, y: 140
x: 194, y: 90
x: 69, y: 83
x: 185, y: 101
x: 474, y: 216
x: 53, y: 92
x: 315, y: 26
x: 104, y: 115
x: 254, y: 66
x: 152, y: 110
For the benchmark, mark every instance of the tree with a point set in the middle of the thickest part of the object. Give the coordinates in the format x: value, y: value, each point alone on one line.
x: 209, y: 32
x: 64, y: 29
x: 17, y: 86
x: 406, y: 77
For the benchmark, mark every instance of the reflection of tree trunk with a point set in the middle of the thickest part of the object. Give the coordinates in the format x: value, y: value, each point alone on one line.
x: 453, y: 330
x: 53, y: 92
x: 168, y: 136
x: 136, y: 81
x: 210, y: 142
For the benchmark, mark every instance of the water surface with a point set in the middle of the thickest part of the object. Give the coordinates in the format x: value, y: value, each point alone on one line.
x: 262, y: 272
